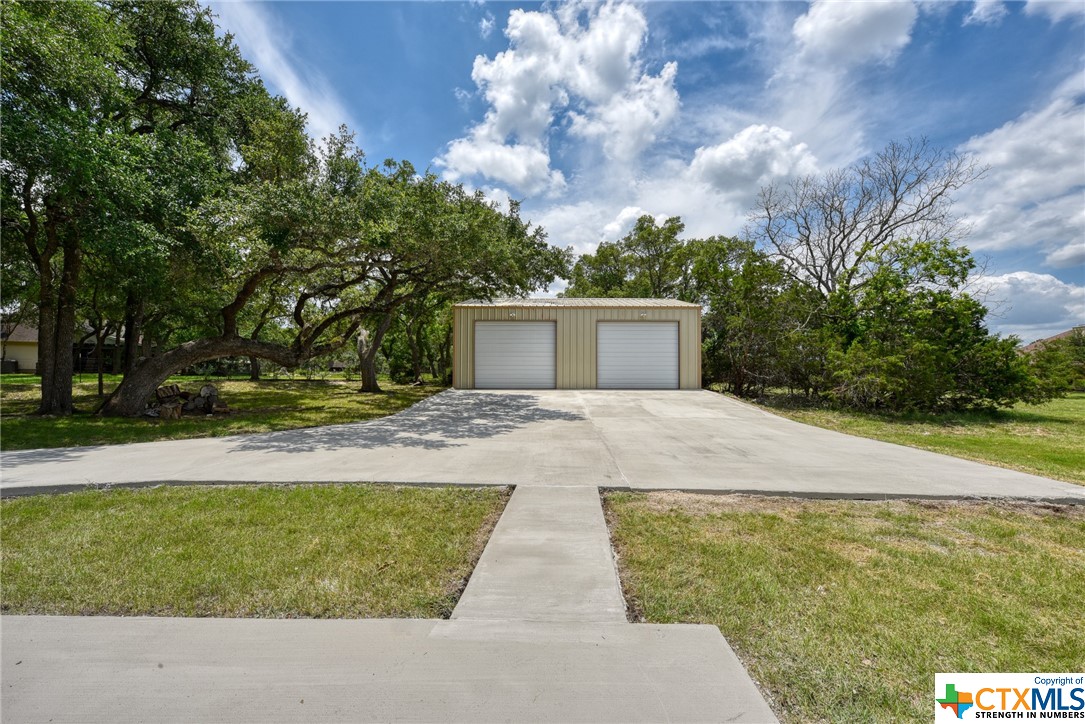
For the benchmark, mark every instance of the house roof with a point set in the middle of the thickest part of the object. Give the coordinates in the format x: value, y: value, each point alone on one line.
x: 577, y: 302
x: 26, y: 332
x: 19, y: 333
x: 1040, y: 343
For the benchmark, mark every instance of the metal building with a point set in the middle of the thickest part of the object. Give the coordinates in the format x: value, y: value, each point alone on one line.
x: 577, y: 344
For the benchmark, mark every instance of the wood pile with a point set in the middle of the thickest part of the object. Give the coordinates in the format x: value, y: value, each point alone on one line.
x: 171, y: 402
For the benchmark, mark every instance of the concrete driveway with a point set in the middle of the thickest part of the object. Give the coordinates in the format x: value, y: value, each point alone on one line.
x: 539, y: 633
x: 693, y: 440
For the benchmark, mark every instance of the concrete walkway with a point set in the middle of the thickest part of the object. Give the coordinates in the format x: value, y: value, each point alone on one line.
x: 690, y: 440
x: 549, y: 559
x: 538, y: 635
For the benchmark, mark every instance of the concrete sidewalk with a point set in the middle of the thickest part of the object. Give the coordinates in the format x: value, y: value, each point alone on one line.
x: 61, y: 669
x: 538, y: 635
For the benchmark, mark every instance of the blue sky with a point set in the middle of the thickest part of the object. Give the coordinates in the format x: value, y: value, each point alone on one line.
x: 593, y: 114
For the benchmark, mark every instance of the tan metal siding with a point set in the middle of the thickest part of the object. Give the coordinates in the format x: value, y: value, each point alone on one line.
x: 576, y: 337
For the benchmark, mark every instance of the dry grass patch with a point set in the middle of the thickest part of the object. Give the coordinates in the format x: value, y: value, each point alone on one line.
x: 844, y: 610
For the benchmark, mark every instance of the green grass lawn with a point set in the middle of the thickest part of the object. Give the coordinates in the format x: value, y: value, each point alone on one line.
x: 845, y: 610
x: 257, y: 407
x: 344, y: 551
x: 1046, y: 439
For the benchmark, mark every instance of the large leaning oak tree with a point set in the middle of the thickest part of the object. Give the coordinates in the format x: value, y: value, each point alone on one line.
x: 117, y: 117
x: 151, y: 184
x: 329, y: 248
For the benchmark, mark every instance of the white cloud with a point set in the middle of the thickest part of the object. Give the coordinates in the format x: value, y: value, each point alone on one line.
x: 854, y: 32
x: 1057, y: 10
x: 690, y: 48
x: 578, y: 224
x: 751, y: 158
x: 623, y: 222
x: 1032, y: 305
x: 583, y: 59
x: 523, y: 166
x: 486, y: 25
x: 463, y: 97
x: 628, y: 122
x: 1071, y: 255
x: 814, y: 89
x: 1034, y: 194
x: 935, y: 8
x: 705, y: 210
x: 576, y: 74
x: 583, y: 224
x: 669, y: 191
x: 986, y: 12
x: 267, y: 46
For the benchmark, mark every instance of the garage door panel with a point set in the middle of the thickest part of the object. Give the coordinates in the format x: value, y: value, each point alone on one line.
x: 637, y: 355
x: 515, y: 355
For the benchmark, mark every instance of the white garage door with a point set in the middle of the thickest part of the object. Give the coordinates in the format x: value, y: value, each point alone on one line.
x: 515, y: 355
x: 638, y: 355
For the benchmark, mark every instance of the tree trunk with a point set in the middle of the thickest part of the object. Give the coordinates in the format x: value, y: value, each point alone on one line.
x: 117, y: 351
x: 415, y: 345
x: 133, y: 324
x: 47, y: 322
x: 445, y: 356
x: 433, y: 361
x: 99, y: 341
x: 368, y: 346
x: 137, y: 387
x: 56, y: 381
x: 367, y: 362
x: 254, y: 362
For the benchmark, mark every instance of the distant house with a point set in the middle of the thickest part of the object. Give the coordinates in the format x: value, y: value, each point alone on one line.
x: 1041, y: 343
x: 20, y: 343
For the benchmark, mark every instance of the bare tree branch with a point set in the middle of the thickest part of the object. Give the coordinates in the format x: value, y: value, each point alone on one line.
x: 826, y: 228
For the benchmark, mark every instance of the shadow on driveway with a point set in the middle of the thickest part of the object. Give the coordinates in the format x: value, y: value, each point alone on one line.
x: 436, y: 423
x: 12, y: 458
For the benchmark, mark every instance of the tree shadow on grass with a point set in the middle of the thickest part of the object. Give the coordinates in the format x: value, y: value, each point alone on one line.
x: 443, y: 421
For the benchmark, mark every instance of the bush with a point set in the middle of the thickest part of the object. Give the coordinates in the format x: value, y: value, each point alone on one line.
x: 1060, y: 363
x: 910, y: 341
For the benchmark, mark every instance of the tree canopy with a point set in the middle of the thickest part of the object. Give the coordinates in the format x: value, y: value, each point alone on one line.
x: 829, y: 229
x: 649, y: 261
x: 851, y: 288
x: 119, y: 117
x: 152, y: 183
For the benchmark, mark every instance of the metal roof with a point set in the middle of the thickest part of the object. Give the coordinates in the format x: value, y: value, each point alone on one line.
x: 577, y: 302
